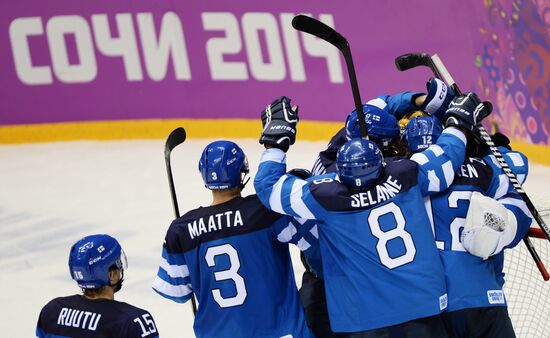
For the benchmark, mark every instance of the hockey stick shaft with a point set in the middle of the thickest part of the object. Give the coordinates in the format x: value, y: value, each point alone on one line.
x: 176, y: 137
x: 443, y: 74
x: 407, y: 61
x: 324, y: 32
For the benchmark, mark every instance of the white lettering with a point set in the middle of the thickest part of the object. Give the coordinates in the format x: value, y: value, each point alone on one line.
x: 273, y: 69
x: 20, y: 29
x: 85, y: 70
x: 292, y: 46
x: 319, y: 48
x: 62, y: 315
x: 171, y: 42
x: 124, y: 46
x: 217, y: 47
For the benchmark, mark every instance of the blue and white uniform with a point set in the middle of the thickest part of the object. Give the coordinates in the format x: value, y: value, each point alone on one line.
x: 471, y: 281
x: 396, y: 105
x: 77, y: 316
x: 234, y: 256
x: 380, y: 263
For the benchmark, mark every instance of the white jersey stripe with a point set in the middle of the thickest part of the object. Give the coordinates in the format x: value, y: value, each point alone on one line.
x: 448, y: 172
x: 517, y: 203
x: 273, y: 154
x: 173, y: 270
x: 314, y: 231
x: 296, y: 202
x: 303, y: 245
x: 503, y: 184
x: 420, y: 158
x: 171, y: 290
x: 436, y: 150
x: 286, y: 234
x: 275, y: 197
x: 434, y: 181
x: 455, y: 132
x: 516, y: 159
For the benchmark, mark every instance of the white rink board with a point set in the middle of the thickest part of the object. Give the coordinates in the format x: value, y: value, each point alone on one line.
x: 52, y: 194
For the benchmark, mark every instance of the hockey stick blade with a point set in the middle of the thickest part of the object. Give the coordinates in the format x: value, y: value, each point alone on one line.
x: 412, y: 60
x: 176, y: 137
x: 322, y: 31
x: 315, y: 27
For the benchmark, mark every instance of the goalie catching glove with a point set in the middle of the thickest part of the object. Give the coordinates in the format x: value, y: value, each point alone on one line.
x: 489, y: 227
x: 279, y: 121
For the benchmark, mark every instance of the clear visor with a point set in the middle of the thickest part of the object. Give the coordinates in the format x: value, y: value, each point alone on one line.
x: 122, y: 262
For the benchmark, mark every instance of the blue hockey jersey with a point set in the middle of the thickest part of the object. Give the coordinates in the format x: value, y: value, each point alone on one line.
x: 77, y: 316
x: 471, y: 281
x: 397, y: 105
x: 234, y: 256
x: 380, y: 263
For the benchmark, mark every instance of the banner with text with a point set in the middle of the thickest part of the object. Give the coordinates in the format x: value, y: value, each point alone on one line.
x: 124, y: 60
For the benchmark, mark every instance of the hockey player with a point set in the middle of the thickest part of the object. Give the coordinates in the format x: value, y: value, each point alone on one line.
x: 471, y: 226
x: 382, y: 271
x: 381, y: 116
x: 234, y: 256
x: 383, y: 129
x: 97, y: 264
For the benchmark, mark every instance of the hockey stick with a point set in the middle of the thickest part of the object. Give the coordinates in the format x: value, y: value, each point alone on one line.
x: 317, y: 28
x: 176, y: 137
x: 411, y: 60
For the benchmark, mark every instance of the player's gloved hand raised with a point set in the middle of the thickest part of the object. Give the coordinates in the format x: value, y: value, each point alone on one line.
x: 279, y: 121
x: 466, y: 111
x: 438, y: 99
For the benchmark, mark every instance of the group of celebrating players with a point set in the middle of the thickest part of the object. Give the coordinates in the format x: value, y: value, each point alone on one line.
x: 401, y: 234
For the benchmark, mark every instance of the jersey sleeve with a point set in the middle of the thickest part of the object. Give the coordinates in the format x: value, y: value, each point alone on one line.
x: 140, y: 324
x: 398, y: 104
x: 437, y: 164
x: 173, y: 280
x: 504, y: 192
x: 283, y: 193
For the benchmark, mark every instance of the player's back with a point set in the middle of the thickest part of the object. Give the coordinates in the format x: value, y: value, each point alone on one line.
x: 77, y: 316
x: 379, y: 258
x: 239, y: 266
x: 471, y: 281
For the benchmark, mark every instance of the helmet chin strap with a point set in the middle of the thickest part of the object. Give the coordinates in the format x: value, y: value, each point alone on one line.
x: 118, y: 285
x: 244, y: 181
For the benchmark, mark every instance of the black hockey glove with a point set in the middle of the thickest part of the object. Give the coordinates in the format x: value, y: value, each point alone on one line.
x: 300, y: 173
x: 501, y: 140
x: 466, y: 111
x: 279, y: 121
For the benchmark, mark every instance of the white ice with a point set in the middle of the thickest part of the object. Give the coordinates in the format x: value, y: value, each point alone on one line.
x: 53, y: 194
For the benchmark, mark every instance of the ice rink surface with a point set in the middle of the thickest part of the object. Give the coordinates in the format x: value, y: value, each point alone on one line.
x: 52, y: 194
